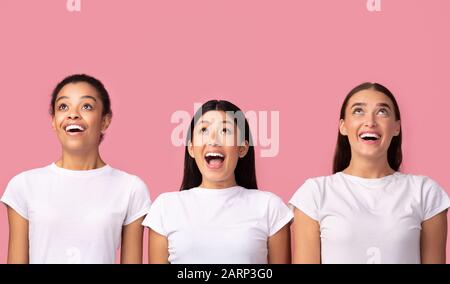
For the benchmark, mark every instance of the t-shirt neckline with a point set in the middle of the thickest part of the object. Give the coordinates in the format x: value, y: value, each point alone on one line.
x: 80, y: 173
x: 370, y: 180
x: 217, y: 191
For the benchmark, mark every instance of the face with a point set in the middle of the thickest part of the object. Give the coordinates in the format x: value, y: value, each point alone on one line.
x: 216, y: 147
x: 370, y: 124
x: 78, y: 120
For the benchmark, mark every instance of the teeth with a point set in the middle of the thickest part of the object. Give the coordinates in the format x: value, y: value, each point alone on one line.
x: 73, y: 126
x: 369, y: 135
x: 214, y: 155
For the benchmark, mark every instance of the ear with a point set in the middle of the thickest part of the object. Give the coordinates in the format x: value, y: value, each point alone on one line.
x: 191, y: 150
x: 243, y: 149
x: 342, y: 128
x: 398, y: 127
x: 53, y: 123
x: 106, y: 121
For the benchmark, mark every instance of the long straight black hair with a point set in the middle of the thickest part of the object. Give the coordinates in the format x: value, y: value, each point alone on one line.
x: 343, y: 153
x: 245, y: 172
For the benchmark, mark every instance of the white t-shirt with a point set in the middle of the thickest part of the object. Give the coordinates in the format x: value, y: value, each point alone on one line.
x: 76, y: 216
x: 370, y: 220
x: 230, y: 225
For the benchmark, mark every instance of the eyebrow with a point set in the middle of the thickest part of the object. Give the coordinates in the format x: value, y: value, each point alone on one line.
x: 364, y: 104
x: 83, y: 97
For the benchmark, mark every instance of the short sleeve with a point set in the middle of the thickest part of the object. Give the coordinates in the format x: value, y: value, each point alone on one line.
x: 15, y: 196
x: 307, y: 199
x: 139, y: 202
x: 154, y: 218
x: 279, y: 214
x: 434, y: 199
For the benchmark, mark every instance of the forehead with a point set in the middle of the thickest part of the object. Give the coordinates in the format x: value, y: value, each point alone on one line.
x: 215, y: 116
x: 77, y: 90
x: 370, y: 97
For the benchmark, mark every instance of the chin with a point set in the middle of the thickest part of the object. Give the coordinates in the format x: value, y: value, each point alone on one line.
x: 373, y: 154
x: 75, y: 146
x: 216, y: 177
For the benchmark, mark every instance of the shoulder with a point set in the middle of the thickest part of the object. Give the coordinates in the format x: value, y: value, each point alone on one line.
x: 321, y: 182
x: 170, y: 197
x: 262, y: 196
x: 128, y: 181
x: 121, y: 174
x: 416, y: 181
x: 30, y: 174
x: 419, y: 179
x: 21, y: 187
x: 167, y: 202
x: 118, y: 173
x: 313, y: 189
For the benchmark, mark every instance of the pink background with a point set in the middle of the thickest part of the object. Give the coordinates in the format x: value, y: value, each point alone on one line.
x: 157, y: 57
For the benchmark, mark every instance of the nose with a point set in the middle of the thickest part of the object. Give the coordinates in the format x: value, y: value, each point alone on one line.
x: 73, y: 116
x: 371, y: 121
x: 213, y: 138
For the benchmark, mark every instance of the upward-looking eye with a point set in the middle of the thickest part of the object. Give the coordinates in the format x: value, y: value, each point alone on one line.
x: 62, y: 107
x: 358, y: 110
x: 383, y: 111
x: 87, y: 107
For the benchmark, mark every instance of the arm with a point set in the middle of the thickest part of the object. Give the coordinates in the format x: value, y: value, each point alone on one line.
x: 279, y: 246
x: 433, y: 239
x: 131, y: 250
x: 306, y: 239
x: 18, y: 238
x: 158, y: 248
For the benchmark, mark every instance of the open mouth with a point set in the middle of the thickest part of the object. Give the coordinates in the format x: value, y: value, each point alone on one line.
x: 74, y: 129
x: 214, y: 160
x: 370, y: 137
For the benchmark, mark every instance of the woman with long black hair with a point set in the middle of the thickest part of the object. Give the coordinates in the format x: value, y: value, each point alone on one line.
x: 219, y: 216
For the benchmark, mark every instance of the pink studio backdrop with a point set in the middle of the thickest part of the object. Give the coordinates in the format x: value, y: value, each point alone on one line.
x: 157, y: 57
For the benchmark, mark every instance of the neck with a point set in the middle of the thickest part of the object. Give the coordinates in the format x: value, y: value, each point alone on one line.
x: 218, y: 184
x: 80, y: 161
x: 369, y: 168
